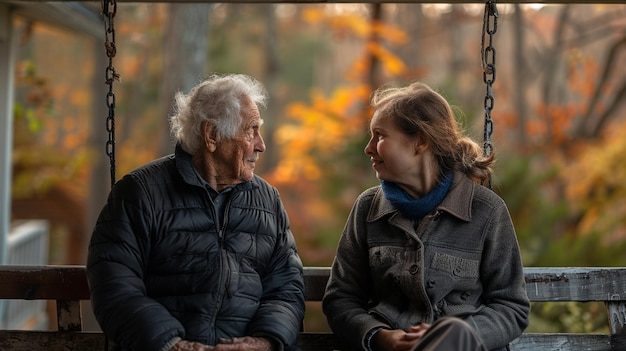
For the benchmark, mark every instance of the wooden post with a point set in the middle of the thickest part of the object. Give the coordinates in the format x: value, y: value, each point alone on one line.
x: 69, y: 316
x: 616, y: 312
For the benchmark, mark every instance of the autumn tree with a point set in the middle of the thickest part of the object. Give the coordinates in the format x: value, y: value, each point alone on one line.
x: 564, y: 185
x: 50, y: 157
x: 322, y: 142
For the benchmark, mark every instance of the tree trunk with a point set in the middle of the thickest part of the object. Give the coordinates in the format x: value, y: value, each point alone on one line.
x: 186, y: 52
x: 373, y: 77
x: 271, y: 116
x: 520, y: 75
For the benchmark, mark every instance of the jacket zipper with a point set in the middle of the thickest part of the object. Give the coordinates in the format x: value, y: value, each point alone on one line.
x: 224, y: 267
x: 221, y: 238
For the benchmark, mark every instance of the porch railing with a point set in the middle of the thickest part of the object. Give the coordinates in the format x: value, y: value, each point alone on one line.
x: 27, y: 244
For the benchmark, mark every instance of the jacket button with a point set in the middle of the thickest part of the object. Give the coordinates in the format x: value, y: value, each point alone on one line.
x: 456, y: 271
x: 413, y: 269
x: 430, y: 284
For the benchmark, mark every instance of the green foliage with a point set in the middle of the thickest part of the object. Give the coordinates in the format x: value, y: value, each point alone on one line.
x: 549, y: 237
x: 535, y: 217
x: 37, y: 165
x: 344, y: 181
x: 34, y: 99
x: 299, y: 54
x: 27, y: 114
x: 296, y: 52
x: 568, y: 317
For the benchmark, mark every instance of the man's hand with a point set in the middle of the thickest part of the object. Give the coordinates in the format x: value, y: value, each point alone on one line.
x: 185, y: 345
x: 399, y: 340
x: 247, y: 343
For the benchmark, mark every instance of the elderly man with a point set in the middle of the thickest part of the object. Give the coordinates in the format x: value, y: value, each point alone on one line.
x: 193, y: 251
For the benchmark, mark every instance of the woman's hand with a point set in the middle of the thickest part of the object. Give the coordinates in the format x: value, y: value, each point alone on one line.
x: 399, y: 340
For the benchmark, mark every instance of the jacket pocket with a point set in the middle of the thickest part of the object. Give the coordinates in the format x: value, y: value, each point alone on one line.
x: 455, y: 266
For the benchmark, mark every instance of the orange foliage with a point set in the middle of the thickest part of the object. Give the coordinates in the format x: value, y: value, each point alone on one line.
x: 554, y: 120
x: 356, y: 25
x: 594, y: 182
x: 320, y: 130
x: 507, y: 119
x: 72, y: 141
x: 581, y: 68
x: 392, y: 34
x: 359, y: 69
x: 323, y: 127
x: 51, y: 136
x: 68, y: 123
x: 79, y: 97
x: 392, y: 64
x: 553, y: 123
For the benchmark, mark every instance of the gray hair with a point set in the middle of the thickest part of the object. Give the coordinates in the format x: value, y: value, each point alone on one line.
x: 216, y: 100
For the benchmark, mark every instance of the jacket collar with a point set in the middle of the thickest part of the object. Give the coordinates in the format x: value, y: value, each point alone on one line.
x: 458, y: 202
x: 185, y: 168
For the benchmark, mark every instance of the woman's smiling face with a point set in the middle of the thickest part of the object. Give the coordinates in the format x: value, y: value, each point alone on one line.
x: 392, y: 152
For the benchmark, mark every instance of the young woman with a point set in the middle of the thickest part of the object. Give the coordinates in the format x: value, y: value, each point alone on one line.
x: 428, y: 259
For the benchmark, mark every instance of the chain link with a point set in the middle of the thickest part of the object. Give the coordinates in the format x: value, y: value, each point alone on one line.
x: 109, y: 8
x: 488, y: 62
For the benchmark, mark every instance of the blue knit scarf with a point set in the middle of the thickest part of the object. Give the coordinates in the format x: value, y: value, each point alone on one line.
x: 413, y: 208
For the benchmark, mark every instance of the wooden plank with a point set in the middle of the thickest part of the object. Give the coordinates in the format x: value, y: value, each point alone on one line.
x: 315, y: 279
x: 43, y: 282
x: 526, y: 342
x: 320, y: 342
x: 576, y: 284
x: 18, y: 340
x: 543, y: 283
x: 568, y: 341
x: 88, y: 341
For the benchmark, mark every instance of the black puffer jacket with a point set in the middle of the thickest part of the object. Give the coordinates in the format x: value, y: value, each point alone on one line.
x: 159, y: 268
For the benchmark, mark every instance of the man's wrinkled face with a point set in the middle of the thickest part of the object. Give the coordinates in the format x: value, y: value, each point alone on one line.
x: 236, y: 158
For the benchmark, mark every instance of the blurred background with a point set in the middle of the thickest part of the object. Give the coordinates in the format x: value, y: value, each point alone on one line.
x: 559, y: 115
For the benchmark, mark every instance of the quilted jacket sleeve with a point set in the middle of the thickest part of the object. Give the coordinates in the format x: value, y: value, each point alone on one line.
x: 115, y: 270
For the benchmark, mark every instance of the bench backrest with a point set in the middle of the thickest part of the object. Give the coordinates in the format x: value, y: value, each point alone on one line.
x: 67, y: 285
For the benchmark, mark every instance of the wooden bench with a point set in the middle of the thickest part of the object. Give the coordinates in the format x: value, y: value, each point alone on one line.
x: 67, y: 285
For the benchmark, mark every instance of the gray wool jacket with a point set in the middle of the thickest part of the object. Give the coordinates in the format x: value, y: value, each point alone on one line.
x: 462, y: 260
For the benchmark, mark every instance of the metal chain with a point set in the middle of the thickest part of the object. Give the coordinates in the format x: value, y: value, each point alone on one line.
x: 488, y: 62
x: 109, y: 8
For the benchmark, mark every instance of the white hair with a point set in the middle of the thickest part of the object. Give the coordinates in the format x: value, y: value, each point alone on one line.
x: 216, y: 100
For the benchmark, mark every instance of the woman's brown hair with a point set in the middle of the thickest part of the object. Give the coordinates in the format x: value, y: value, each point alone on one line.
x: 421, y: 112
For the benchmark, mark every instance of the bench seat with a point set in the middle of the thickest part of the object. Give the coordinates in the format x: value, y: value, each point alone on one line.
x: 67, y: 285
